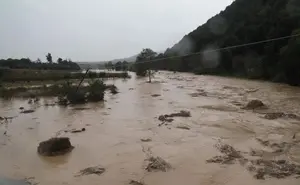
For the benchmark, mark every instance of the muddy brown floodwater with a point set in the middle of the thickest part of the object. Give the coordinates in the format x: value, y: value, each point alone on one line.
x: 116, y: 129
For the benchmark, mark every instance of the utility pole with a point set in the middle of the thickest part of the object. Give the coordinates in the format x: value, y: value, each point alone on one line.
x: 82, y: 79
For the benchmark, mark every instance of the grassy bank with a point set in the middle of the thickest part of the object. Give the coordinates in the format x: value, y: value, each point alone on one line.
x: 47, y: 90
x: 15, y: 75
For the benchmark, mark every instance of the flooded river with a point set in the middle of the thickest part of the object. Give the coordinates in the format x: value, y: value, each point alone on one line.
x: 114, y: 130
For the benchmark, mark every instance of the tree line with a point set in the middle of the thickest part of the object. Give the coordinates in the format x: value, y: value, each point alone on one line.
x: 118, y: 66
x: 241, y: 22
x: 26, y: 63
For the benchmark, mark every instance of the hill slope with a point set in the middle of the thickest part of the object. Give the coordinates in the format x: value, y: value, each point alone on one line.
x: 100, y: 65
x: 245, y: 21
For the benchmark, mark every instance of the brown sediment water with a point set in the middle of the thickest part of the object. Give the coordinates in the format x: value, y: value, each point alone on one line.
x: 114, y: 130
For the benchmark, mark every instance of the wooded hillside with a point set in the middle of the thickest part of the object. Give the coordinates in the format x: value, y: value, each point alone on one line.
x: 243, y: 22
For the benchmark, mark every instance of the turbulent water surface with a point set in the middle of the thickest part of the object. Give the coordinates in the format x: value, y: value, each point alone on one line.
x: 114, y: 130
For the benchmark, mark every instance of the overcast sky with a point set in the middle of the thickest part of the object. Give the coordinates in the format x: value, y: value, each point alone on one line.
x: 97, y: 30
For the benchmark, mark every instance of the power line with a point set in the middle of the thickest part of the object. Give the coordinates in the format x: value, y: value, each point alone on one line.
x: 225, y: 48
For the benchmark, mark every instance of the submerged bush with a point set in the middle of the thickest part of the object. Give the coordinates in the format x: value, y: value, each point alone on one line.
x: 113, y: 89
x: 59, y: 89
x: 67, y: 93
x: 92, y: 75
x: 62, y: 100
x: 76, y: 97
x: 73, y: 95
x: 96, y: 90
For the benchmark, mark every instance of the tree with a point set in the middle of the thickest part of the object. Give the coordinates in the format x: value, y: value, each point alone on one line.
x: 142, y: 62
x: 240, y: 23
x: 38, y: 61
x: 109, y: 65
x: 290, y: 59
x: 118, y: 66
x: 125, y: 65
x: 49, y: 58
x: 26, y: 63
x: 59, y: 60
x: 96, y: 90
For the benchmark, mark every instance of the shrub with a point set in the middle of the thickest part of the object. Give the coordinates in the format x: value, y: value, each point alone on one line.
x: 92, y: 74
x: 102, y: 74
x: 113, y: 89
x: 96, y: 90
x: 76, y: 97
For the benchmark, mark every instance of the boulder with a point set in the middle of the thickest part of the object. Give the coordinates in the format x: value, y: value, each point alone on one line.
x: 254, y: 104
x: 55, y: 146
x: 155, y: 95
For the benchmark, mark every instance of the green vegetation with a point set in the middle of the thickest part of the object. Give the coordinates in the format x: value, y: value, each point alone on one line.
x: 113, y: 89
x: 26, y: 63
x: 96, y: 91
x: 240, y: 23
x: 109, y: 65
x: 49, y: 58
x: 14, y: 75
x: 93, y: 92
x: 74, y: 97
x: 119, y: 66
x: 66, y: 92
x: 141, y: 66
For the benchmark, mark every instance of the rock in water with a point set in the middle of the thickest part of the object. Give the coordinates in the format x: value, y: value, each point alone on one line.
x: 146, y: 139
x: 134, y: 182
x: 157, y: 164
x: 27, y: 111
x: 77, y: 130
x: 254, y: 104
x: 155, y: 95
x: 55, y: 146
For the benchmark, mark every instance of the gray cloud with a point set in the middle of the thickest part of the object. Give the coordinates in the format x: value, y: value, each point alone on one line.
x: 96, y: 30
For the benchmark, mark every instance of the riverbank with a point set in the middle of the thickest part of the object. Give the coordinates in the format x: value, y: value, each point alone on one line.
x: 48, y: 89
x: 18, y: 75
